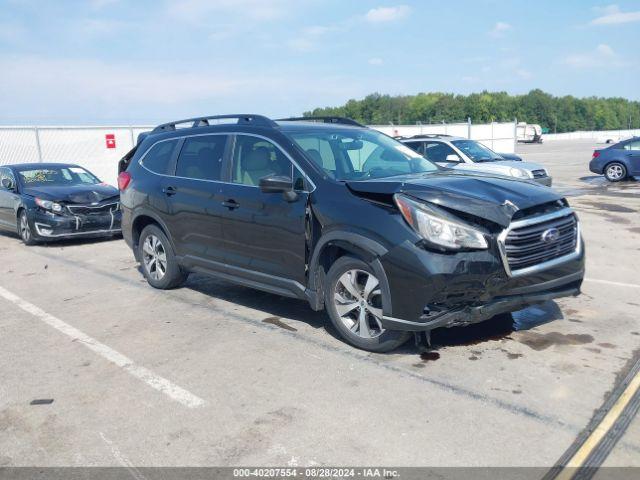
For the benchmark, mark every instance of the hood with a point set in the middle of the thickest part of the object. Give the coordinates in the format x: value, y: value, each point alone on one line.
x: 495, y: 199
x: 81, y: 194
x: 500, y: 166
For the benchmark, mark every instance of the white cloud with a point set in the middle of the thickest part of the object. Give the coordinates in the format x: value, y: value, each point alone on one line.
x: 207, y: 11
x: 309, y: 38
x: 317, y: 30
x: 88, y: 90
x: 376, y: 61
x: 602, y: 56
x: 387, y: 14
x: 95, y: 81
x: 523, y: 73
x: 500, y: 29
x: 611, y: 15
x: 301, y: 44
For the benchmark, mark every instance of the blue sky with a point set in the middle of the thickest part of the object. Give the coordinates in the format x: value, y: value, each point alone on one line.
x: 121, y: 62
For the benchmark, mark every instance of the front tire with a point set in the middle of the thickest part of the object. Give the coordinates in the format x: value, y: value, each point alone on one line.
x: 353, y: 299
x: 615, y: 172
x: 159, y: 264
x: 24, y: 229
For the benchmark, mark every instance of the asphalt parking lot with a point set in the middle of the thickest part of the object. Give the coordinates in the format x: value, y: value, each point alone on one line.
x: 217, y: 374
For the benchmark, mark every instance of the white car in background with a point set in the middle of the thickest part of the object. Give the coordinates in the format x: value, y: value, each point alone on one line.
x: 469, y: 155
x: 528, y: 132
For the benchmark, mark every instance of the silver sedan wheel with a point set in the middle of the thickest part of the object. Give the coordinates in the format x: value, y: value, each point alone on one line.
x: 154, y: 257
x: 615, y: 172
x: 358, y: 301
x: 25, y: 230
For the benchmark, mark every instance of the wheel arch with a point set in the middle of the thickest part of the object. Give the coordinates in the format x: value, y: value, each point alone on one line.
x: 336, y: 244
x: 140, y: 221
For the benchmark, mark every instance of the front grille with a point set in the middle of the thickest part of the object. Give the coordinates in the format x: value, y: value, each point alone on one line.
x: 539, y: 173
x: 525, y: 247
x: 93, y: 209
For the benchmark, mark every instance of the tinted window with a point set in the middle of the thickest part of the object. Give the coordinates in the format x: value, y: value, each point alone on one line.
x: 320, y: 152
x: 475, y: 150
x: 254, y: 158
x: 201, y: 157
x: 417, y: 146
x: 158, y: 157
x: 632, y: 146
x: 355, y: 154
x: 437, y: 151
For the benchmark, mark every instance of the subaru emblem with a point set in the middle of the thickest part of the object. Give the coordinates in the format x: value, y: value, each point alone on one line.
x: 550, y: 235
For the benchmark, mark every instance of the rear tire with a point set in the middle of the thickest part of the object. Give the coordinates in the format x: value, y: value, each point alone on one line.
x: 353, y: 299
x: 24, y: 229
x: 615, y: 172
x: 159, y: 264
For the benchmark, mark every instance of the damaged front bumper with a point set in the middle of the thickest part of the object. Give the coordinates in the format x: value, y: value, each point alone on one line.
x: 466, y: 315
x: 104, y: 221
x: 430, y: 290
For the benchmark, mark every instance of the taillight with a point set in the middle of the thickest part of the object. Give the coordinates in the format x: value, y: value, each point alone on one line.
x: 124, y: 179
x: 596, y: 153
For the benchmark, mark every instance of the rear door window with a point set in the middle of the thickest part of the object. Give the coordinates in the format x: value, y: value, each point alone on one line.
x: 158, y: 158
x: 201, y: 157
x: 417, y: 146
x: 632, y: 146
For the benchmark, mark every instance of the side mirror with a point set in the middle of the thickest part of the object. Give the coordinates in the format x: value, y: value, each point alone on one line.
x: 276, y: 184
x: 7, y: 183
x: 452, y: 157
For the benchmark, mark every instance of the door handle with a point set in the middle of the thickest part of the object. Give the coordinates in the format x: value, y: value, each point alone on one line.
x: 169, y: 191
x: 231, y: 204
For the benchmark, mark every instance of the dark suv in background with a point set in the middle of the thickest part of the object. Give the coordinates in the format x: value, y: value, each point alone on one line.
x: 347, y: 218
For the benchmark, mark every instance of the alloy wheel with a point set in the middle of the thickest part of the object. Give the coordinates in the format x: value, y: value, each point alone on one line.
x: 615, y: 172
x: 25, y: 230
x: 358, y: 301
x: 154, y: 257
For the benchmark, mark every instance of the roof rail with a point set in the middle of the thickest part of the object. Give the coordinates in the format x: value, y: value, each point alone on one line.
x: 424, y: 135
x: 340, y: 120
x: 243, y: 119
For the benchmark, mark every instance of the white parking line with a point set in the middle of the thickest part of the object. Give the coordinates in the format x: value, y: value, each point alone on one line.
x: 122, y: 459
x: 609, y: 282
x: 161, y: 384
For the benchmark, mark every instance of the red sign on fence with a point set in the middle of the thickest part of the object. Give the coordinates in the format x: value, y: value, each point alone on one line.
x: 110, y: 138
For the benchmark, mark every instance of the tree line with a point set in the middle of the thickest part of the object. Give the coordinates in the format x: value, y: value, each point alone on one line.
x: 558, y: 114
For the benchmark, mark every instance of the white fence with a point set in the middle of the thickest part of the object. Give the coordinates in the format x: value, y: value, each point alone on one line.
x: 599, y: 135
x: 99, y: 148
x: 86, y: 146
x: 499, y: 137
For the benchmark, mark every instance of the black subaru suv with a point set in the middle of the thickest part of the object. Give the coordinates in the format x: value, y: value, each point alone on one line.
x: 347, y: 218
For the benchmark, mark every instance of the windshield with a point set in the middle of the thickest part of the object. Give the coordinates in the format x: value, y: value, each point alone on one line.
x: 476, y: 151
x: 56, y: 177
x: 350, y: 154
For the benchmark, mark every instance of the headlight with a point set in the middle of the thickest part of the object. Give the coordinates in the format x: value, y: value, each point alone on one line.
x: 519, y: 173
x: 48, y: 205
x: 439, y: 230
